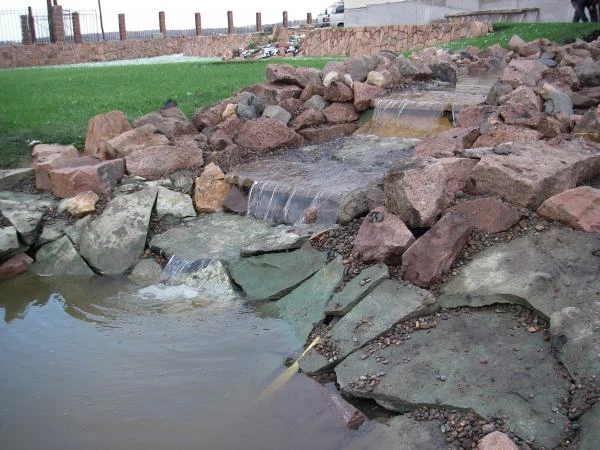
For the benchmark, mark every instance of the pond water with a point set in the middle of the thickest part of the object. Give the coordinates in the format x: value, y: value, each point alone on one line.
x: 103, y: 363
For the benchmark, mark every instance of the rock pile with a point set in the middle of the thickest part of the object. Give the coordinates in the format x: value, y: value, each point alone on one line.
x: 414, y: 306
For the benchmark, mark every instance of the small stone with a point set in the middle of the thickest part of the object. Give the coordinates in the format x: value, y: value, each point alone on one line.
x: 540, y: 228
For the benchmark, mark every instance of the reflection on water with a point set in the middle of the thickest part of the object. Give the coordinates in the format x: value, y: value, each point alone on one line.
x: 107, y: 364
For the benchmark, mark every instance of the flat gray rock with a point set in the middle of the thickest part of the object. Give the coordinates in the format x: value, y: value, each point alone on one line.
x: 59, y: 258
x: 400, y: 432
x: 548, y: 271
x: 389, y: 303
x: 114, y: 242
x: 575, y: 334
x: 480, y: 360
x: 9, y: 178
x: 25, y: 212
x: 589, y: 437
x: 75, y: 230
x: 305, y: 305
x: 173, y: 206
x: 212, y: 281
x: 271, y: 276
x: 51, y: 232
x: 283, y: 239
x: 9, y: 242
x: 217, y: 235
x: 147, y: 271
x: 357, y: 289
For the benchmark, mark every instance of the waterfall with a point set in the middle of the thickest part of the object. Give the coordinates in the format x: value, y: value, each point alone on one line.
x: 177, y: 266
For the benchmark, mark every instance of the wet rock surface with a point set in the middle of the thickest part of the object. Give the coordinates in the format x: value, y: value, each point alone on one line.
x: 471, y: 370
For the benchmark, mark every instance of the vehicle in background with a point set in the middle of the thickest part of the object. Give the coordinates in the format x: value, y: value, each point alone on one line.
x: 332, y: 16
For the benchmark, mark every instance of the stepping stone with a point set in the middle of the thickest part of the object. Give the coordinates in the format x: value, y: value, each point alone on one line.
x: 305, y: 305
x: 480, y: 360
x: 271, y: 276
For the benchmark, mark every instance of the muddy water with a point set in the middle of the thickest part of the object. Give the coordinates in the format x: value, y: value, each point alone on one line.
x: 105, y: 364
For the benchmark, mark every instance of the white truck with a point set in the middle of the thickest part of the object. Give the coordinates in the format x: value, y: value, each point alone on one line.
x: 332, y: 16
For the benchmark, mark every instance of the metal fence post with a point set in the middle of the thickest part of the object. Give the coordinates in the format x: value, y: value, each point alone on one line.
x: 229, y: 22
x: 162, y: 25
x: 258, y: 22
x: 198, y: 24
x: 122, y: 30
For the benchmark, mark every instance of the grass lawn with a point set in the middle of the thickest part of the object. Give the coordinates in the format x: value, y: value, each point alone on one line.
x: 54, y: 104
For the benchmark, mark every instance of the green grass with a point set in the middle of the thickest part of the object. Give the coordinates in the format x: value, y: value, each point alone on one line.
x: 54, y: 104
x: 561, y: 33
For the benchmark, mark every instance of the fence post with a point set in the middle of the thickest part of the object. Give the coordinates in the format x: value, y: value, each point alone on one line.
x: 198, y: 24
x: 162, y: 24
x: 76, y: 28
x: 309, y: 18
x: 58, y: 24
x: 50, y: 24
x: 31, y: 25
x: 25, y: 30
x: 258, y: 22
x: 122, y: 30
x: 285, y: 19
x: 229, y: 22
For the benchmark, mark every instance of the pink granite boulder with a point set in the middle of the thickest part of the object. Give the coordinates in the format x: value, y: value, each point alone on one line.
x: 577, y: 208
x: 46, y: 158
x: 86, y: 174
x: 102, y: 128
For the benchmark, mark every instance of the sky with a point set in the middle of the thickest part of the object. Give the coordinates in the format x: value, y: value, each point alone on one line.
x: 179, y: 14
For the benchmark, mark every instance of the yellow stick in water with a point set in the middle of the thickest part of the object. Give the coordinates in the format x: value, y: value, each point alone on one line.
x: 289, y: 373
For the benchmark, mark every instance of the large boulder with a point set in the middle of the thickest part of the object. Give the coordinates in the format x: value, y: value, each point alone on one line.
x: 448, y: 143
x: 169, y: 121
x: 114, y: 242
x: 249, y: 106
x: 487, y: 214
x: 48, y: 157
x: 25, y: 212
x: 284, y: 73
x: 524, y: 96
x: 132, y: 140
x: 577, y: 208
x: 310, y: 117
x: 86, y: 174
x: 158, y: 161
x: 338, y: 92
x: 500, y: 133
x: 445, y: 71
x: 263, y: 135
x: 358, y: 67
x: 211, y: 189
x: 102, y: 128
x: 523, y: 72
x: 59, y: 258
x: 274, y: 93
x: 528, y: 174
x: 434, y: 252
x: 365, y: 95
x: 341, y: 113
x: 382, y: 237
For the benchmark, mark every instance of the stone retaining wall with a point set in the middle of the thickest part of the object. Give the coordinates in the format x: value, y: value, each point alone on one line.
x: 320, y: 42
x: 370, y: 40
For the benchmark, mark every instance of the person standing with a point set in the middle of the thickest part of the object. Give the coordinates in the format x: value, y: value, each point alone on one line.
x: 579, y: 6
x: 592, y: 7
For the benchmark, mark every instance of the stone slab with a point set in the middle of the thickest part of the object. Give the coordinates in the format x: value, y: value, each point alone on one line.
x: 59, y: 258
x: 25, y: 212
x: 590, y: 432
x: 9, y: 178
x: 480, y: 360
x: 173, y: 205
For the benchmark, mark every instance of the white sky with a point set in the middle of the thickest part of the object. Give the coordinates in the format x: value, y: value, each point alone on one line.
x: 179, y: 14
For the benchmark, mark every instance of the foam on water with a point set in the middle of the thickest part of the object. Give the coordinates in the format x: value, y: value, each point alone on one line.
x: 167, y: 293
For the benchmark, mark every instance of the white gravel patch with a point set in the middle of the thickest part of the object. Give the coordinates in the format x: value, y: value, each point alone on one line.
x: 165, y: 59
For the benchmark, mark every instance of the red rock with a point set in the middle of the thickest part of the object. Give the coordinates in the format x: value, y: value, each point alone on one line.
x: 434, y: 252
x: 525, y: 96
x: 349, y: 415
x: 46, y: 158
x: 168, y: 121
x: 474, y: 116
x: 341, y: 113
x: 264, y: 134
x: 236, y: 201
x: 226, y: 158
x: 274, y: 93
x: 563, y: 78
x: 328, y: 132
x: 501, y: 133
x: 496, y: 441
x: 86, y: 174
x: 133, y: 140
x: 527, y: 174
x: 589, y: 126
x: 523, y: 72
x: 211, y: 115
x: 211, y: 190
x: 14, y: 266
x: 284, y: 73
x: 382, y: 237
x: 338, y: 92
x: 577, y: 208
x: 159, y: 161
x: 415, y: 191
x: 487, y: 214
x: 82, y: 204
x: 102, y: 128
x: 291, y: 105
x: 308, y: 118
x: 365, y: 95
x: 310, y: 90
x: 448, y: 142
x: 456, y: 173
